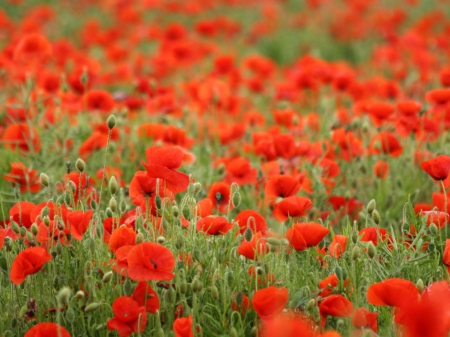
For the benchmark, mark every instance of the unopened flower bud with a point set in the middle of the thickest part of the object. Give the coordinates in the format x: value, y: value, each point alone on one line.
x: 433, y: 229
x: 175, y: 211
x: 196, y: 285
x: 187, y: 213
x: 92, y: 307
x: 233, y: 332
x: 29, y: 235
x: 214, y: 292
x: 376, y: 217
x: 248, y: 234
x: 45, y: 181
x: 371, y: 206
x: 355, y: 252
x: 420, y: 286
x: 139, y: 238
x: 371, y: 250
x: 107, y: 277
x: 22, y: 231
x: 127, y: 287
x: 70, y: 315
x: 158, y: 202
x: 161, y: 240
x: 63, y: 295
x: 311, y: 303
x: 339, y: 273
x: 113, y: 186
x: 197, y: 188
x: 236, y: 200
x: 171, y: 295
x: 79, y: 295
x: 80, y: 165
x: 109, y: 213
x: 183, y: 287
x: 34, y: 229
x: 111, y: 122
x: 15, y: 227
x: 113, y: 204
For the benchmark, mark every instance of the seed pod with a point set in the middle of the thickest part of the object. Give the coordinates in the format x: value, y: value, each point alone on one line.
x: 80, y: 165
x: 113, y: 186
x: 45, y: 181
x: 371, y: 250
x: 92, y: 307
x: 371, y: 206
x: 111, y: 122
x: 376, y: 217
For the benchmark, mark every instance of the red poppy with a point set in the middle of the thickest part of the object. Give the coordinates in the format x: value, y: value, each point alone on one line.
x: 32, y: 48
x: 393, y: 292
x: 120, y: 264
x: 21, y: 136
x: 83, y: 186
x: 338, y: 245
x: 79, y: 223
x: 214, y: 225
x: 28, y: 262
x: 256, y: 247
x: 183, y: 327
x: 374, y: 234
x: 240, y: 172
x: 364, y: 319
x: 438, y: 168
x: 304, y: 235
x: 335, y: 305
x: 122, y: 236
x: 436, y: 217
x: 288, y: 325
x: 150, y: 261
x: 47, y: 329
x: 26, y: 179
x: 281, y: 186
x: 129, y: 317
x: 145, y: 296
x: 291, y: 207
x: 438, y: 96
x: 379, y: 112
x: 99, y: 100
x: 241, y: 303
x: 2, y: 237
x: 219, y: 194
x: 381, y: 169
x: 327, y: 285
x: 21, y: 213
x: 386, y: 142
x: 252, y: 220
x: 269, y: 302
x: 163, y: 162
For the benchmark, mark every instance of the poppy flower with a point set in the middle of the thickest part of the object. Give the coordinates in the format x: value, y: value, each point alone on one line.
x: 287, y: 325
x: 163, y: 162
x: 252, y: 220
x: 381, y: 169
x: 241, y: 303
x: 28, y: 262
x: 240, y: 172
x: 26, y: 179
x: 304, y: 235
x: 150, y: 261
x: 122, y: 236
x: 47, y: 329
x: 364, y: 319
x: 32, y: 48
x: 120, y: 263
x: 438, y: 168
x: 129, y: 318
x: 291, y: 207
x: 385, y: 142
x: 374, y: 234
x: 379, y: 112
x: 338, y: 245
x: 214, y: 225
x: 281, y: 186
x: 79, y: 222
x: 145, y: 296
x: 83, y: 186
x: 99, y: 100
x: 438, y: 96
x: 2, y: 237
x: 440, y: 219
x: 21, y: 213
x: 392, y: 292
x: 183, y: 327
x: 328, y: 283
x: 256, y: 247
x: 269, y: 302
x: 335, y: 305
x: 219, y: 194
x: 21, y: 136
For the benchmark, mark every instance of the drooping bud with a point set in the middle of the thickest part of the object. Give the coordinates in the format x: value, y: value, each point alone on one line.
x: 197, y: 188
x: 273, y: 241
x: 158, y: 201
x: 92, y: 307
x: 339, y: 273
x: 111, y: 122
x: 175, y: 211
x: 236, y: 200
x: 107, y: 277
x: 433, y: 229
x: 15, y: 227
x: 311, y: 304
x: 45, y: 181
x: 68, y: 166
x: 248, y: 235
x: 80, y: 165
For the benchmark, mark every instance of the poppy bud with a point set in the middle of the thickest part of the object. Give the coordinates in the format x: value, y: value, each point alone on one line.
x: 197, y: 188
x: 376, y: 217
x: 68, y: 166
x: 230, y: 278
x: 161, y: 240
x: 311, y: 304
x: 158, y: 202
x: 113, y: 186
x: 80, y: 165
x: 233, y: 332
x: 354, y: 236
x: 248, y: 234
x: 183, y: 287
x: 179, y: 243
x: 236, y: 200
x: 339, y: 273
x: 284, y: 242
x: 94, y: 204
x: 355, y: 252
x: 92, y: 307
x: 29, y: 235
x: 22, y: 231
x: 219, y: 198
x: 371, y: 206
x: 15, y: 227
x: 92, y: 245
x: 111, y: 122
x: 187, y: 213
x: 113, y: 204
x: 215, y: 292
x: 420, y: 286
x: 171, y: 295
x: 23, y: 310
x: 107, y: 277
x: 70, y: 315
x: 254, y: 331
x: 45, y: 181
x: 371, y: 250
x: 127, y: 287
x: 34, y: 229
x: 123, y: 206
x: 79, y: 295
x: 59, y: 248
x: 139, y: 238
x: 196, y: 285
x: 175, y: 211
x: 109, y: 213
x: 273, y: 241
x: 433, y: 229
x: 101, y: 327
x: 63, y: 295
x: 405, y: 228
x: 159, y: 332
x: 46, y: 221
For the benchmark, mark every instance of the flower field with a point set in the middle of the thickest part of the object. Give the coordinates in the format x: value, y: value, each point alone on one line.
x: 271, y: 168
